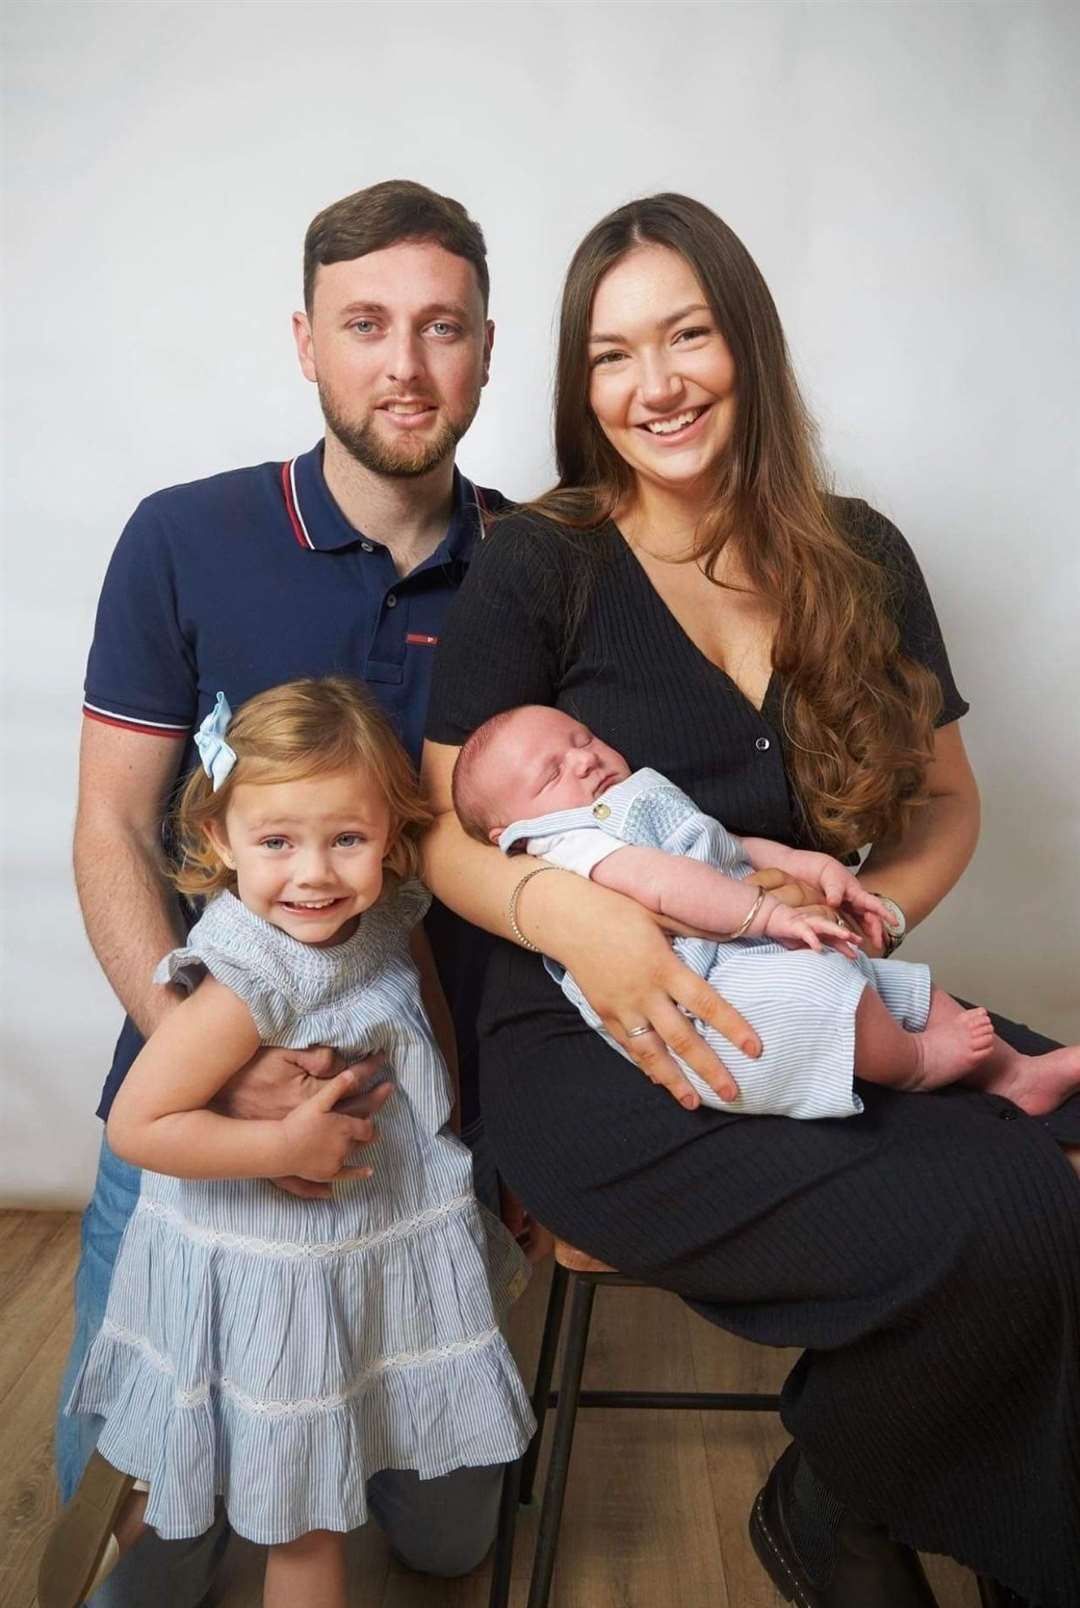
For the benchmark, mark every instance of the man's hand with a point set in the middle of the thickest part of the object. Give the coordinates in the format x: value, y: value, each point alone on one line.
x: 275, y: 1082
x: 318, y: 1138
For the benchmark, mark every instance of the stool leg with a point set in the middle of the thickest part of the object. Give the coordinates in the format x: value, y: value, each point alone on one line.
x: 577, y: 1338
x: 545, y: 1365
x: 503, y: 1561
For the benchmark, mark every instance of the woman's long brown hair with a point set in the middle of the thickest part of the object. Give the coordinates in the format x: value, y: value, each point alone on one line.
x: 858, y: 716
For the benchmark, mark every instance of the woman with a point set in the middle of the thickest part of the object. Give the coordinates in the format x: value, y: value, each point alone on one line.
x: 688, y: 592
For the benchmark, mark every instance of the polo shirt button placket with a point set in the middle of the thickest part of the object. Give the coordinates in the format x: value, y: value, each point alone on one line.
x: 391, y: 600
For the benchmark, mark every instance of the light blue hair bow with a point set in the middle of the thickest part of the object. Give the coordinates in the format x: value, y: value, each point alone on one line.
x: 217, y: 757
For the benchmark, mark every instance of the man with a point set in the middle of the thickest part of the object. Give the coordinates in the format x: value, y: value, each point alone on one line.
x: 342, y: 560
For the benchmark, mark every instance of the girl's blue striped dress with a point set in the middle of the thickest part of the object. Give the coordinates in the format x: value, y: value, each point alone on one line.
x: 275, y: 1351
x: 802, y: 1003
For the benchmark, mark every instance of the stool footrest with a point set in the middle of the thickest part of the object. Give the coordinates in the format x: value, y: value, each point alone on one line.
x: 677, y: 1400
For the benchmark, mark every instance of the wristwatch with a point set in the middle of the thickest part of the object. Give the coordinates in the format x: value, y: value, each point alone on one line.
x: 895, y: 923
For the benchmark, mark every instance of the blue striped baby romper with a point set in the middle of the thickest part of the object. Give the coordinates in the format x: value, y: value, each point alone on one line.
x: 276, y: 1351
x: 801, y: 1003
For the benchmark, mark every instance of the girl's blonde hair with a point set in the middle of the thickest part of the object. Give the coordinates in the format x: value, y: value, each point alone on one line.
x: 287, y: 734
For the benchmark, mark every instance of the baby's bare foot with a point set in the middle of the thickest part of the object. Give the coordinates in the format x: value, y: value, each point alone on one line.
x: 952, y: 1048
x: 1036, y: 1083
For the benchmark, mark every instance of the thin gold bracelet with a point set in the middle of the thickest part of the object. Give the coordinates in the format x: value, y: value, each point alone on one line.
x: 748, y: 920
x: 511, y: 909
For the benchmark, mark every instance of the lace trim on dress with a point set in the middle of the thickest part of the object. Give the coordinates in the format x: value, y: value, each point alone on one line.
x: 298, y: 1248
x: 307, y: 1406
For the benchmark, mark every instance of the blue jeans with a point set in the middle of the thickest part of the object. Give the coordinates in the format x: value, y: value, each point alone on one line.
x: 443, y: 1527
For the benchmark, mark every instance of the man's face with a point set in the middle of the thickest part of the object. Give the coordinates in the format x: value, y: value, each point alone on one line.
x: 399, y: 348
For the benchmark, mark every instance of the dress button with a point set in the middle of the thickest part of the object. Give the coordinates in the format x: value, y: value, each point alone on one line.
x: 762, y: 743
x: 601, y: 811
x: 367, y: 547
x: 391, y: 601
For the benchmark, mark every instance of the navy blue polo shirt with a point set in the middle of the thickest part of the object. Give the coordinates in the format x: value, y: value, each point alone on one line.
x: 255, y: 577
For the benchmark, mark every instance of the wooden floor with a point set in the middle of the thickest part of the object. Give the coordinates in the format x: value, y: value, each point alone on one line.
x: 656, y: 1505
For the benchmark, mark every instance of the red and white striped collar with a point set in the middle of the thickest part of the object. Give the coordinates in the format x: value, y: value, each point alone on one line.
x: 318, y: 524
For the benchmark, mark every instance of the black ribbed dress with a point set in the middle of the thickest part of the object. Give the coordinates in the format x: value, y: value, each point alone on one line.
x: 926, y: 1253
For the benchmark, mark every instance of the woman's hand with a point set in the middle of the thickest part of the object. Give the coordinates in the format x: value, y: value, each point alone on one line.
x: 843, y: 891
x: 870, y: 929
x: 788, y: 889
x: 862, y: 913
x: 632, y: 978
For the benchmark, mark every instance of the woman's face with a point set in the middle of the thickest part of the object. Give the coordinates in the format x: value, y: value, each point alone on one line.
x: 662, y: 380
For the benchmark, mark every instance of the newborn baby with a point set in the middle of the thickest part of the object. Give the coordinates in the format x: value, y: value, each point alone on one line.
x: 536, y: 779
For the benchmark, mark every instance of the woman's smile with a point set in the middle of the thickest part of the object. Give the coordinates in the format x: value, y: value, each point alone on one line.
x: 662, y: 378
x: 675, y: 428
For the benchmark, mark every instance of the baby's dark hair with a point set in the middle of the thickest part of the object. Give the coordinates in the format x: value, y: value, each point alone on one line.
x: 473, y: 810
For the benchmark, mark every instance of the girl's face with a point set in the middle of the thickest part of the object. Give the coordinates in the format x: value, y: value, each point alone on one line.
x: 662, y: 380
x: 308, y: 855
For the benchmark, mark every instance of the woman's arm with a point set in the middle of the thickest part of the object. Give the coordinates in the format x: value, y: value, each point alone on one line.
x: 918, y: 871
x: 583, y: 927
x: 158, y: 1119
x: 931, y: 857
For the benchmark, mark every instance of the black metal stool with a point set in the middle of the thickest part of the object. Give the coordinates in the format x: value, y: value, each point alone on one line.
x: 582, y: 1275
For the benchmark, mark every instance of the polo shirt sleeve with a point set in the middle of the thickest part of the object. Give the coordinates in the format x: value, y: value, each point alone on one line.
x: 503, y: 639
x: 141, y: 670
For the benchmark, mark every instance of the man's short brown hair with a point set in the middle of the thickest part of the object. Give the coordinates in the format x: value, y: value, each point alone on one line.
x: 385, y: 215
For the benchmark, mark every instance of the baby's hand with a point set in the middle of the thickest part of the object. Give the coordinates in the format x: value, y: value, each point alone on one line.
x: 318, y: 1138
x: 843, y: 890
x: 810, y: 929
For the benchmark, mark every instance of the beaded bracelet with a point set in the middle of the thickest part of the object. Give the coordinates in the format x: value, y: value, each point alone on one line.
x: 511, y: 909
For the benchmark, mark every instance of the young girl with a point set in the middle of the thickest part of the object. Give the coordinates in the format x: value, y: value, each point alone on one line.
x: 271, y: 1350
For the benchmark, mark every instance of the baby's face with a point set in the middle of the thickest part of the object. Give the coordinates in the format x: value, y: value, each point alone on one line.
x: 543, y: 760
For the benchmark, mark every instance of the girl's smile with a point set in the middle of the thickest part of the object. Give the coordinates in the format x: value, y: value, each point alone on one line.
x: 308, y: 854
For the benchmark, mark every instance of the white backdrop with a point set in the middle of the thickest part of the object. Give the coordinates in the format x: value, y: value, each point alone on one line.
x: 905, y: 176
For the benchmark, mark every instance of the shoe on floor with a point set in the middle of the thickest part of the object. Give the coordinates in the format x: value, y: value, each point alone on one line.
x: 867, y: 1569
x: 82, y: 1549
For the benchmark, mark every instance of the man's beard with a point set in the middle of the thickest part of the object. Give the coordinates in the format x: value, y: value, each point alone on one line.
x: 406, y: 459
